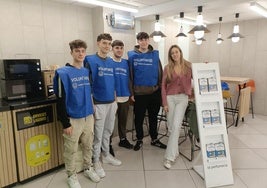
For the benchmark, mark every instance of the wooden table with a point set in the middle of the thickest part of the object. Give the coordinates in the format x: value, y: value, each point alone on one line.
x: 235, y: 80
x: 241, y: 109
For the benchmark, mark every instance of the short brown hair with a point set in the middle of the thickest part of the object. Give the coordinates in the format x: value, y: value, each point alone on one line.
x: 104, y: 36
x: 77, y: 44
x: 117, y: 43
x: 142, y: 35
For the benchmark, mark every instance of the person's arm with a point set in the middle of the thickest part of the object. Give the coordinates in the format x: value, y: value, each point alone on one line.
x: 160, y: 74
x: 86, y: 64
x: 163, y: 91
x: 131, y: 80
x: 61, y: 105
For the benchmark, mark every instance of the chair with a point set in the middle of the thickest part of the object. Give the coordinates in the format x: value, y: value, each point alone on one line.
x: 162, y: 119
x: 251, y: 84
x: 227, y: 96
x: 191, y: 126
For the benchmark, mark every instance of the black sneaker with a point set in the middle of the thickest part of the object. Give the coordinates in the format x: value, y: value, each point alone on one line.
x: 111, y: 151
x: 126, y: 144
x: 138, y: 145
x: 159, y: 144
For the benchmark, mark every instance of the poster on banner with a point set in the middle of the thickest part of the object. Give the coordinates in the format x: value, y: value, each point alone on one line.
x: 216, y: 159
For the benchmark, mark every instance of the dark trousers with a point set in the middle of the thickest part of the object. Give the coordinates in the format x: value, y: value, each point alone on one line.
x: 151, y: 103
x: 122, y: 113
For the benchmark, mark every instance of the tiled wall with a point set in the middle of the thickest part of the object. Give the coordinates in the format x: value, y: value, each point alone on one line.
x: 247, y: 58
x: 42, y: 29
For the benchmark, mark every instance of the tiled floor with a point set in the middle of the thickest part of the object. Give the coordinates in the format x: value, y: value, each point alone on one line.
x: 144, y: 169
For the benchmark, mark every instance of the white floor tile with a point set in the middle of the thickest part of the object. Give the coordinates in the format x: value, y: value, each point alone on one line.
x: 131, y: 160
x: 254, y: 141
x: 253, y: 178
x: 261, y: 152
x: 234, y: 142
x: 121, y: 179
x: 246, y: 158
x: 153, y: 160
x: 169, y: 178
x: 242, y: 129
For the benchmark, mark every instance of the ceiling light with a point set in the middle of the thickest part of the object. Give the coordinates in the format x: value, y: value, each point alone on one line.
x: 199, y: 29
x: 236, y: 36
x: 258, y: 8
x: 199, y: 41
x: 181, y: 33
x: 157, y: 34
x: 109, y: 5
x: 219, y: 39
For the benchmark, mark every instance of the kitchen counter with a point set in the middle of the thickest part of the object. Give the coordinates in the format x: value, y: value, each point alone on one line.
x: 18, y: 104
x: 4, y: 106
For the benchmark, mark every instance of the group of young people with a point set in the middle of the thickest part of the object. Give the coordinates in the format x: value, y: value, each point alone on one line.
x: 94, y: 88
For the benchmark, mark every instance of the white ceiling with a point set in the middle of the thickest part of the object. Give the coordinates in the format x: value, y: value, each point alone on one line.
x: 212, y: 9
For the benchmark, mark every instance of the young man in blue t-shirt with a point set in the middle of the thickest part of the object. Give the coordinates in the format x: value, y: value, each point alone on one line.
x: 103, y: 89
x: 75, y: 111
x: 146, y: 73
x: 122, y: 86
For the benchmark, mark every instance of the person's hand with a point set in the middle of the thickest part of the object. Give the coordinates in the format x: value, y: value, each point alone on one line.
x: 166, y: 109
x: 132, y: 98
x: 68, y: 131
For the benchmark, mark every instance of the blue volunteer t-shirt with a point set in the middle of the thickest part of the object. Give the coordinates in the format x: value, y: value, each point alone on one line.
x: 145, y: 67
x: 77, y: 90
x: 103, y: 82
x: 121, y: 70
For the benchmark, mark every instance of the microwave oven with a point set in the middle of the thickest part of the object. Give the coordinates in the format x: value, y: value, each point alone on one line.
x: 16, y: 69
x: 22, y: 89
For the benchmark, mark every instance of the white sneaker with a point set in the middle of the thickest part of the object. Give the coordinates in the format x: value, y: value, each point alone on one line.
x: 109, y: 159
x: 99, y: 170
x: 73, y: 181
x: 167, y: 164
x: 91, y: 174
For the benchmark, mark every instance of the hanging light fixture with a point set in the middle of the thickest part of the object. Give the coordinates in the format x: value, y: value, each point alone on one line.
x: 199, y: 41
x: 181, y: 34
x: 258, y: 8
x: 219, y: 39
x: 157, y: 34
x: 236, y: 36
x: 199, y: 29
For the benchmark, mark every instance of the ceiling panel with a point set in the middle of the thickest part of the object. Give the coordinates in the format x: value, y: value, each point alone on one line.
x: 212, y: 9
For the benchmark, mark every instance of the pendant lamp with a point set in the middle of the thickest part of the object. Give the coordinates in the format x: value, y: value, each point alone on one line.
x: 157, y: 34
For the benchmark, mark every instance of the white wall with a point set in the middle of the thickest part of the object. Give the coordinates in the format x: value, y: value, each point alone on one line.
x: 247, y: 58
x: 42, y: 29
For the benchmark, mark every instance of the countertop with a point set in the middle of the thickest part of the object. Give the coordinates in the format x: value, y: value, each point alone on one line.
x: 18, y: 104
x: 4, y: 106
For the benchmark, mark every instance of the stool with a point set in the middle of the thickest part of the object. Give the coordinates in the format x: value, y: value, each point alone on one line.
x: 227, y: 96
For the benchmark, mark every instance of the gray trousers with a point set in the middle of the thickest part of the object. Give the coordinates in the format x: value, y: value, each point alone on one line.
x: 104, y: 125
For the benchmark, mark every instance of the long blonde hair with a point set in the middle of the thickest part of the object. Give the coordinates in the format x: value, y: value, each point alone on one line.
x: 185, y: 65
